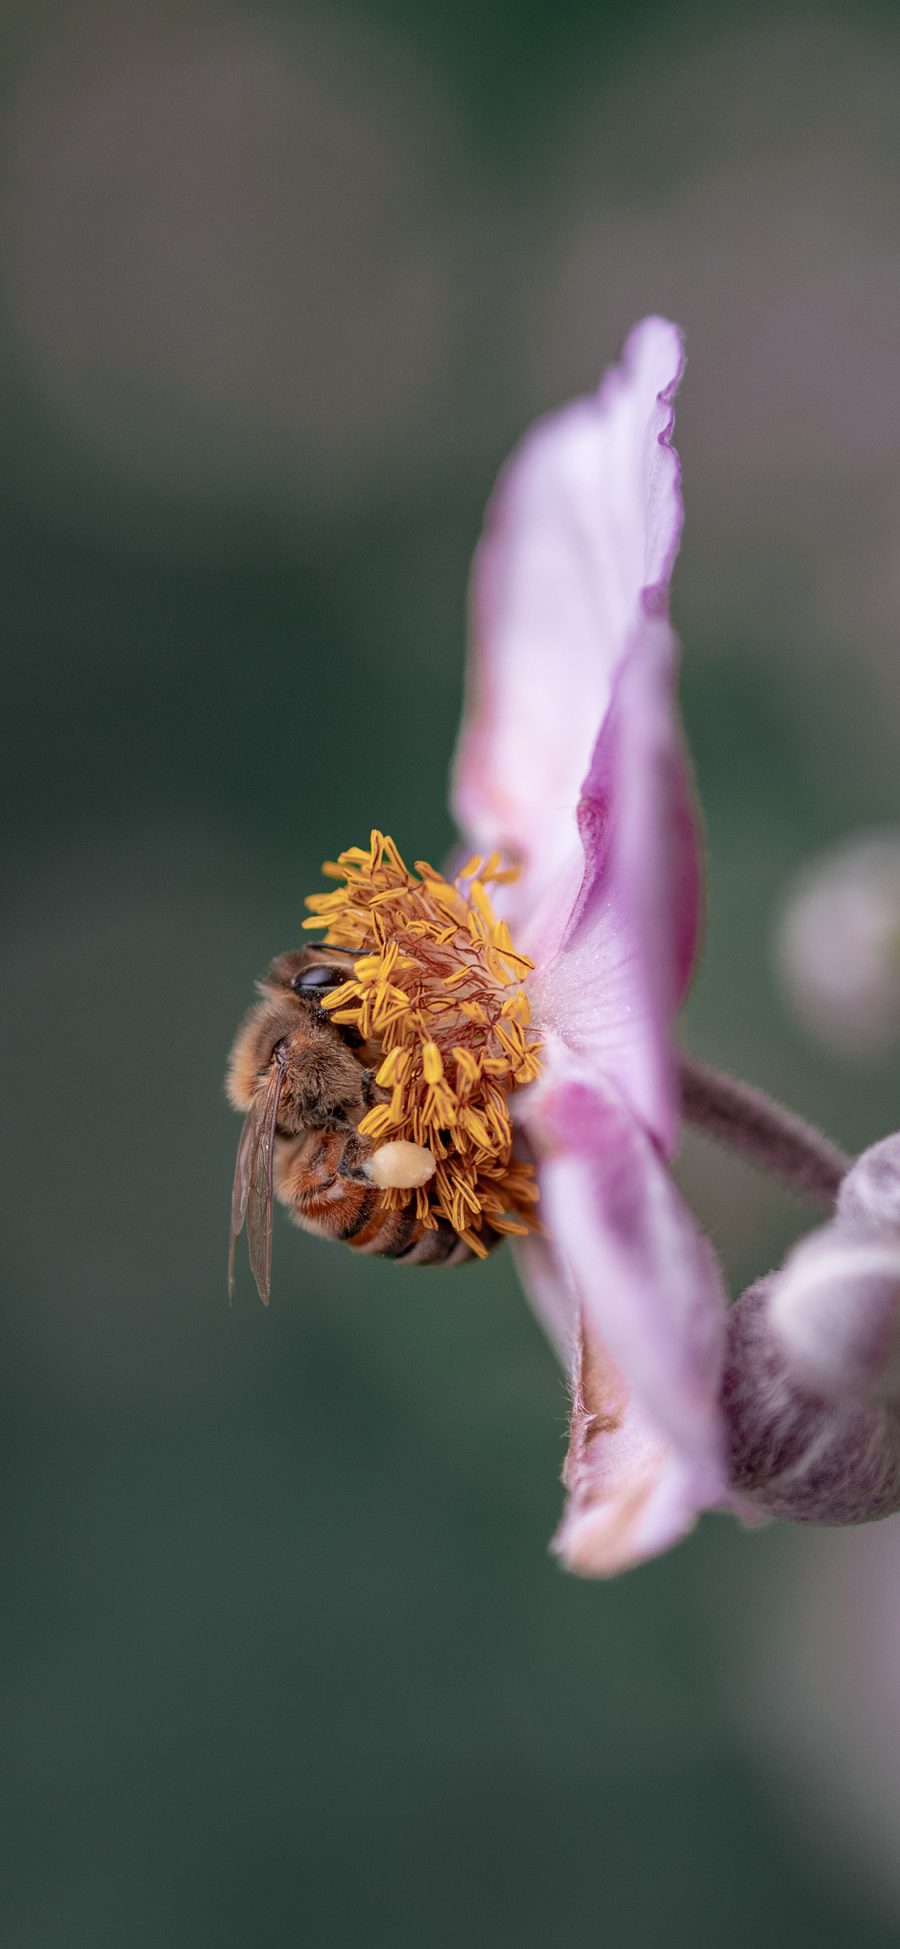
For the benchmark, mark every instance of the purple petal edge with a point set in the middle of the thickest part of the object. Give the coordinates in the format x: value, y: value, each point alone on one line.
x: 579, y: 544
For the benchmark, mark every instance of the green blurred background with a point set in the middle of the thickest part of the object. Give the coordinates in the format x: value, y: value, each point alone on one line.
x: 286, y: 1659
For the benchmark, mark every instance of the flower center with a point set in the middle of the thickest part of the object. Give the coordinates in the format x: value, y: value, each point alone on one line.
x: 438, y: 985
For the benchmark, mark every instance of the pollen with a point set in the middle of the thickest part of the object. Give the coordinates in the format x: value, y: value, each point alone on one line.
x: 439, y: 988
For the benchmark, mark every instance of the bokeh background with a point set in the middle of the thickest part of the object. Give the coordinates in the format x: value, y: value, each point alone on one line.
x: 286, y: 1660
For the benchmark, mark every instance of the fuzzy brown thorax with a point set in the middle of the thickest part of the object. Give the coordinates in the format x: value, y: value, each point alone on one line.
x: 322, y: 1078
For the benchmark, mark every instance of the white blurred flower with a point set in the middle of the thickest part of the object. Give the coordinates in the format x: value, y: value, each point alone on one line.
x: 838, y: 946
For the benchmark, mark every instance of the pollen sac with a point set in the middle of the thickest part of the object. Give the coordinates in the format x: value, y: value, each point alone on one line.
x: 400, y: 1166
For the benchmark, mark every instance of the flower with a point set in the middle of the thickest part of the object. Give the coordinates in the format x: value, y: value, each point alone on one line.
x: 530, y: 1029
x: 571, y: 759
x: 837, y: 946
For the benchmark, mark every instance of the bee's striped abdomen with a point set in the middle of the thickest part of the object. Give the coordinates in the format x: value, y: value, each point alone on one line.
x: 333, y: 1200
x: 441, y: 1247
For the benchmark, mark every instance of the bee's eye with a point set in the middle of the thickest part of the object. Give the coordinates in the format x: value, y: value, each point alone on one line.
x: 311, y: 979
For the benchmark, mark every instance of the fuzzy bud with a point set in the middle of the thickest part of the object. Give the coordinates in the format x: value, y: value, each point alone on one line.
x: 870, y: 1193
x: 792, y: 1452
x: 834, y: 1310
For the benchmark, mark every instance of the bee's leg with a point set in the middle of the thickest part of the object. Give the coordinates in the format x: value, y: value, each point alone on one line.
x: 320, y: 1179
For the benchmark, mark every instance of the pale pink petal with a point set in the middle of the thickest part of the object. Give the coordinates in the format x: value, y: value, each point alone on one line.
x: 647, y: 1279
x: 612, y: 989
x: 551, y: 1292
x: 579, y: 545
x: 630, y: 1493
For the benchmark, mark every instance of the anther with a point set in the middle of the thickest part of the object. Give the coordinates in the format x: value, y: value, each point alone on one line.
x: 437, y: 986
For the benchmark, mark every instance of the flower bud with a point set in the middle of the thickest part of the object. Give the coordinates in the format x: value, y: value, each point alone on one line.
x: 838, y: 946
x: 870, y: 1193
x: 792, y: 1451
x: 834, y: 1310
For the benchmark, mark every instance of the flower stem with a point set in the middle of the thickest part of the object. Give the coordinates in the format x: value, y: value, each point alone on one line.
x: 771, y: 1137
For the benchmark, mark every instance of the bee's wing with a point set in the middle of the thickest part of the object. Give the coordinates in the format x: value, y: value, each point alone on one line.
x: 259, y: 1208
x: 251, y: 1192
x: 240, y: 1190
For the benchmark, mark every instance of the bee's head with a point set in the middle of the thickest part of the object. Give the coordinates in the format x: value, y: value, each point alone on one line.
x: 288, y: 1025
x: 307, y: 972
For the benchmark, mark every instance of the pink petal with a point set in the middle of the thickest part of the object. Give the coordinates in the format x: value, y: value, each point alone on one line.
x: 613, y: 987
x: 551, y: 1292
x: 579, y: 545
x: 630, y: 1494
x: 646, y: 1277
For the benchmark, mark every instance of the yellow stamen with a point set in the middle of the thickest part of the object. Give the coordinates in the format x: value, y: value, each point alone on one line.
x: 438, y: 985
x: 432, y: 1063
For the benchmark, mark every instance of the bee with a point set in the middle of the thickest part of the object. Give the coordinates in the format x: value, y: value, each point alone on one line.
x: 304, y: 1083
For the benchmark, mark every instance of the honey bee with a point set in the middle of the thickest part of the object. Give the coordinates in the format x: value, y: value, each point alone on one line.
x: 304, y: 1083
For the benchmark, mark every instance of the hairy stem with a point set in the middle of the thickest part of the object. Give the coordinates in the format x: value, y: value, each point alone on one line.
x: 769, y: 1135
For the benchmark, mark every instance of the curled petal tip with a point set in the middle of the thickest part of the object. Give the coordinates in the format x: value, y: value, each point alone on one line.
x: 631, y: 1493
